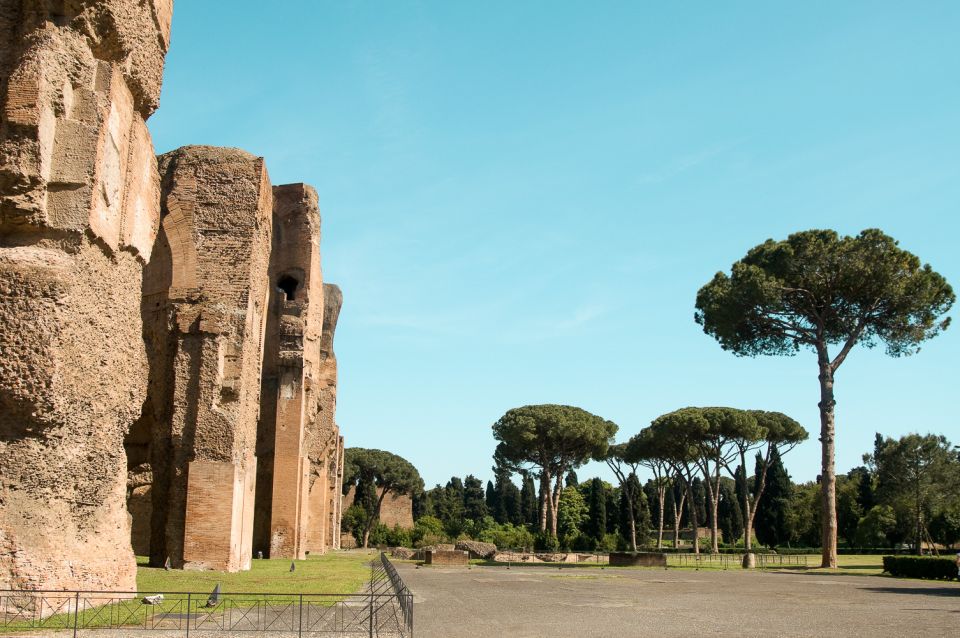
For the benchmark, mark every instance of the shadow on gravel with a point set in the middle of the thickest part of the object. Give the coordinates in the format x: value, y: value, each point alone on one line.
x: 949, y: 592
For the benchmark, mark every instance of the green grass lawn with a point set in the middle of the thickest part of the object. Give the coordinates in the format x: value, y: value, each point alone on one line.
x: 333, y: 573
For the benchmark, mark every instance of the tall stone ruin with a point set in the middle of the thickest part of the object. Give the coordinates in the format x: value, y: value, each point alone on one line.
x: 79, y: 206
x: 299, y: 443
x: 165, y: 332
x: 204, y: 300
x: 240, y: 417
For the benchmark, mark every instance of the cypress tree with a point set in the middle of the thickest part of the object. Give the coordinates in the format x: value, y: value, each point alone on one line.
x: 650, y: 493
x: 492, y: 501
x: 668, y: 504
x: 419, y: 504
x: 529, y: 506
x: 700, y: 500
x: 771, y: 523
x: 613, y: 501
x: 596, y: 524
x: 510, y: 503
x: 729, y: 514
x: 450, y: 507
x: 507, y: 507
x: 474, y: 500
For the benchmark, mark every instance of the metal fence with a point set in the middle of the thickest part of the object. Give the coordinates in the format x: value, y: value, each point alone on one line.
x: 403, y: 594
x: 384, y: 608
x: 734, y: 561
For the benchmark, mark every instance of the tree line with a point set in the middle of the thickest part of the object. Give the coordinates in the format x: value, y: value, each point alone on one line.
x: 907, y: 492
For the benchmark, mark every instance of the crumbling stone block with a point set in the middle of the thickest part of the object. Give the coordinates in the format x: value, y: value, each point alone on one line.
x: 477, y: 549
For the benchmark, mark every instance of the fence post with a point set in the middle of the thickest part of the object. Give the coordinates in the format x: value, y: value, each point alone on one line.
x: 300, y: 623
x: 188, y: 614
x: 371, y: 609
x: 76, y: 613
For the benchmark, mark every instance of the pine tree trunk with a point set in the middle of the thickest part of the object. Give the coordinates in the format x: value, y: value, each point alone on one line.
x: 555, y: 509
x: 545, y: 500
x: 660, y: 497
x: 676, y: 524
x: 747, y: 509
x: 677, y: 515
x: 828, y: 478
x: 374, y: 518
x: 695, y: 524
x: 919, y: 520
x: 713, y: 494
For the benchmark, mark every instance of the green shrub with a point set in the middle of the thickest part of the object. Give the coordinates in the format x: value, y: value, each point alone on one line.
x: 580, y: 542
x: 427, y: 531
x: 399, y: 537
x: 475, y: 529
x: 929, y: 567
x: 379, y: 535
x: 608, y: 543
x: 545, y: 542
x: 507, y: 536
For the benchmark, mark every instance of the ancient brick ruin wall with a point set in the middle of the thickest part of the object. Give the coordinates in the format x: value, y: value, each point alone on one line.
x: 298, y: 446
x: 295, y: 508
x: 79, y: 205
x: 294, y: 323
x: 325, y: 445
x: 205, y: 296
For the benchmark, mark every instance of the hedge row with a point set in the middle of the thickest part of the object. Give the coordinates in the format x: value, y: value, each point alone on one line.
x: 920, y: 567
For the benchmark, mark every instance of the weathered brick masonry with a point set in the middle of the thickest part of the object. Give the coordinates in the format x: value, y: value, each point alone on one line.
x: 241, y: 423
x: 145, y: 310
x: 299, y: 443
x: 79, y: 207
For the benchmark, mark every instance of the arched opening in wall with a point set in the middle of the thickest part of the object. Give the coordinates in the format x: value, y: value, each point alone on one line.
x: 288, y: 285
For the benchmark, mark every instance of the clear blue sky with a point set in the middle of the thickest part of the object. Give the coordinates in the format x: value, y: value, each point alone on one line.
x: 521, y: 199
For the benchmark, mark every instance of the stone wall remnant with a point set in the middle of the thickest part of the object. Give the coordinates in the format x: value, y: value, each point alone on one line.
x: 446, y: 557
x: 298, y: 445
x: 205, y: 296
x: 79, y: 207
x: 325, y: 444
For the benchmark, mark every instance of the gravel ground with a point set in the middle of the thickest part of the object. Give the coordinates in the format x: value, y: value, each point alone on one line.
x: 525, y: 601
